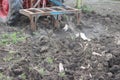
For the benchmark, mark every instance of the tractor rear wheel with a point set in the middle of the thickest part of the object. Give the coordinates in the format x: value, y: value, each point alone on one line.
x: 9, y: 11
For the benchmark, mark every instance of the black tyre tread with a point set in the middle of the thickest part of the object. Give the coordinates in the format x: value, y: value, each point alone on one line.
x: 13, y: 16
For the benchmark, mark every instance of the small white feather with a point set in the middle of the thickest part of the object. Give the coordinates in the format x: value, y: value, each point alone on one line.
x: 83, y: 36
x: 77, y: 35
x: 66, y: 27
x: 96, y: 54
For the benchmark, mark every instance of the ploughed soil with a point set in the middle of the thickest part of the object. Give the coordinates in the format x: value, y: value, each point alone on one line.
x: 38, y: 56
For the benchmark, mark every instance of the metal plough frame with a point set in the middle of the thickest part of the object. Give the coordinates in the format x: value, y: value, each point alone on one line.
x: 34, y: 12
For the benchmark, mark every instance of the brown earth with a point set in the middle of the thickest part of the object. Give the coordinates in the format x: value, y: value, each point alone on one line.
x: 37, y: 57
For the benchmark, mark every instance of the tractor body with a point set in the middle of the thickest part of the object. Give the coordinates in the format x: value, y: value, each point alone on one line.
x: 5, y: 5
x: 10, y: 10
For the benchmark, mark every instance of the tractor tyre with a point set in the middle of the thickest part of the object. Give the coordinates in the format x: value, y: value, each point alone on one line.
x: 9, y: 12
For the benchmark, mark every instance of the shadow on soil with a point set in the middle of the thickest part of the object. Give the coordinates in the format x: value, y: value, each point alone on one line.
x: 37, y: 57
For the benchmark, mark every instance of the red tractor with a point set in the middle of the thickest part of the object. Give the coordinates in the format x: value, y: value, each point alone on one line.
x: 9, y: 9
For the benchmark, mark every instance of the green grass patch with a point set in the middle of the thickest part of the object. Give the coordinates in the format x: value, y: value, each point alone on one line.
x: 11, y: 38
x: 4, y: 77
x: 86, y: 9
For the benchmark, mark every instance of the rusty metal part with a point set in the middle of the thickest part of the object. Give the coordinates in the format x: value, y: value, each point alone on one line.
x: 35, y: 13
x: 37, y: 3
x: 78, y: 18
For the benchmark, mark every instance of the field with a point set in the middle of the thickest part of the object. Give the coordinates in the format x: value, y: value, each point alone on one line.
x: 42, y: 56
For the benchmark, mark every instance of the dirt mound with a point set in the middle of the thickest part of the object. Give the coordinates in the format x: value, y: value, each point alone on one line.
x: 38, y: 57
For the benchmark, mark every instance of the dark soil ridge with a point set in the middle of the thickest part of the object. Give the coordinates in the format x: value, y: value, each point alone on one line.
x: 38, y: 58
